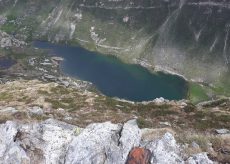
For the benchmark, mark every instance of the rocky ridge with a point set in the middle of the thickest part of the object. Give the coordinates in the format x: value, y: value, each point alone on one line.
x: 7, y: 41
x: 52, y: 141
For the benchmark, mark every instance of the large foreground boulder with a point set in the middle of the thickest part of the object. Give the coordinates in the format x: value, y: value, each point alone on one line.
x: 44, y: 142
x: 165, y: 150
x: 11, y: 151
x: 201, y: 158
x: 52, y: 142
x: 105, y: 143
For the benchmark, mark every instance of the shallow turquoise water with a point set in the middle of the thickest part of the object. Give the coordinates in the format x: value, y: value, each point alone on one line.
x: 115, y: 78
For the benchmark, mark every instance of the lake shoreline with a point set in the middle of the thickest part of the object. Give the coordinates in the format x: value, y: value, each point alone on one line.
x: 107, y: 72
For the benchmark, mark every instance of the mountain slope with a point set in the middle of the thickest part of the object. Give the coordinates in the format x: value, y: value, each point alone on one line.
x: 186, y: 37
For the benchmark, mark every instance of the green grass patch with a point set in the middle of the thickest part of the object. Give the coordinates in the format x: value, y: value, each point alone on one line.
x: 189, y: 108
x: 209, y: 120
x: 11, y: 17
x: 155, y: 112
x: 60, y: 90
x: 25, y: 99
x: 43, y: 92
x: 18, y: 56
x: 201, y: 140
x: 56, y: 103
x: 9, y: 28
x: 5, y: 96
x: 223, y: 86
x: 197, y: 93
x: 142, y: 123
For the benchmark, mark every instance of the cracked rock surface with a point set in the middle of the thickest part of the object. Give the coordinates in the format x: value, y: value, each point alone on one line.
x: 52, y: 141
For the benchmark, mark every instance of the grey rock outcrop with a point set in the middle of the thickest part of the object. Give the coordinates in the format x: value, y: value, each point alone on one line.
x: 165, y: 150
x: 99, y: 136
x: 222, y: 131
x: 200, y: 158
x: 8, y: 110
x: 106, y: 143
x: 36, y: 111
x: 3, y: 20
x: 7, y: 41
x: 34, y: 143
x: 52, y: 141
x: 10, y: 151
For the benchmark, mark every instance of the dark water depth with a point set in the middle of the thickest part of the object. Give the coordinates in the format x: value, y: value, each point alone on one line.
x: 6, y: 63
x: 115, y: 78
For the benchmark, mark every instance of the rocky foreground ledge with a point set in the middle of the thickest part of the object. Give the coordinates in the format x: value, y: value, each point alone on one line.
x: 52, y: 141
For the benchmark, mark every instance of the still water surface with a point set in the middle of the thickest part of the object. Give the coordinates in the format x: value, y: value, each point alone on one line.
x: 115, y: 78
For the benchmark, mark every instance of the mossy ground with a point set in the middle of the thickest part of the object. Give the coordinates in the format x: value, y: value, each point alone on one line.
x: 197, y: 93
x: 86, y: 107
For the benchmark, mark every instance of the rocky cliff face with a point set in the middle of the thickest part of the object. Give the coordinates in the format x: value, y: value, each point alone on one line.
x: 53, y: 141
x: 187, y: 37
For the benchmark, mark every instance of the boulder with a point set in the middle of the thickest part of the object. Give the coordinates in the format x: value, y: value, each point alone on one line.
x: 8, y: 110
x: 45, y: 142
x: 3, y: 20
x: 195, y: 145
x: 159, y: 100
x: 48, y: 141
x: 104, y: 143
x: 10, y: 151
x: 6, y: 42
x: 165, y: 123
x: 92, y: 143
x: 36, y: 111
x: 222, y: 131
x: 200, y: 158
x: 130, y: 137
x: 165, y: 150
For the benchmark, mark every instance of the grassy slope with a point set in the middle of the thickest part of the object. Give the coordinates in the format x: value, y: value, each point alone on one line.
x: 197, y: 93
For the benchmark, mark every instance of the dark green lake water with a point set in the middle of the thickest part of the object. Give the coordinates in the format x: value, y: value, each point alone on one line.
x: 115, y: 78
